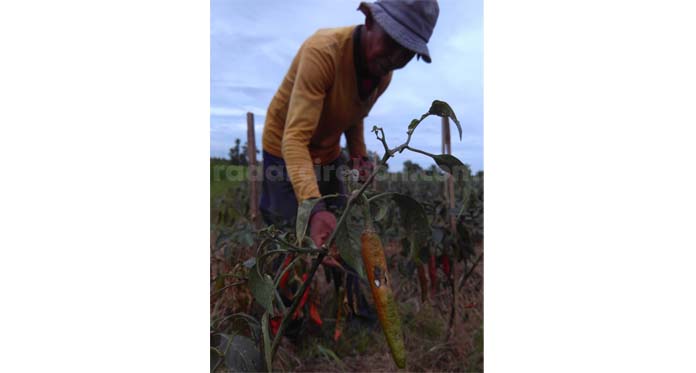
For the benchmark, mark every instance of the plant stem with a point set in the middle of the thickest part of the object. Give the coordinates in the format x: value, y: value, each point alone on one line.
x: 293, y: 248
x: 471, y: 270
x: 420, y: 151
x: 227, y: 287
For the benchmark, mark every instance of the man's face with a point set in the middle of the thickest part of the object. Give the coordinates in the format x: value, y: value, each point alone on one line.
x: 382, y: 53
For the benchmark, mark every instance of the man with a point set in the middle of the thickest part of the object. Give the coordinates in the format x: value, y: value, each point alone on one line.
x: 333, y: 82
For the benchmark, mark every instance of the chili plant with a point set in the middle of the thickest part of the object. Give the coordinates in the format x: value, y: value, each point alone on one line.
x: 357, y: 243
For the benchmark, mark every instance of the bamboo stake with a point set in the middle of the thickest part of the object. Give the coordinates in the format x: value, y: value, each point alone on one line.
x: 449, y: 188
x: 253, y: 183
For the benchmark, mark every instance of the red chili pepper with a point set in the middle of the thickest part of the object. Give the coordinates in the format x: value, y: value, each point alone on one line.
x: 275, y: 324
x: 445, y: 264
x: 314, y: 314
x: 305, y: 296
x: 432, y: 271
x: 284, y: 280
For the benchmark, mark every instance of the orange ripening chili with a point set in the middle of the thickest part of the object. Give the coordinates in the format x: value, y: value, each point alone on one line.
x: 380, y: 283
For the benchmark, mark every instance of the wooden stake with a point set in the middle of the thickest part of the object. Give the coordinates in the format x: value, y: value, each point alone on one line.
x: 253, y: 183
x: 449, y: 196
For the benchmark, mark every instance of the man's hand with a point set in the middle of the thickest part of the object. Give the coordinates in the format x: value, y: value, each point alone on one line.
x: 364, y: 166
x: 321, y: 225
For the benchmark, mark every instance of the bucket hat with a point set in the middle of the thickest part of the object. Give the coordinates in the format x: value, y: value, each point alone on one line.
x: 409, y: 22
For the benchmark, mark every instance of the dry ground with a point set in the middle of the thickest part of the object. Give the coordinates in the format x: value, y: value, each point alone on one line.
x: 426, y: 329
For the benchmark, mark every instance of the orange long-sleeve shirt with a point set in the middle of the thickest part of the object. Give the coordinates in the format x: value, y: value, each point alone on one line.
x: 318, y: 101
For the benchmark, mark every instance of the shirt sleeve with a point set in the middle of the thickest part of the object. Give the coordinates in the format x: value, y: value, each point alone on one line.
x: 355, y: 139
x: 312, y: 81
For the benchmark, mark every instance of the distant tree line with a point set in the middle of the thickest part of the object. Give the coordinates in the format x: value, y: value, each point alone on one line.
x: 237, y: 155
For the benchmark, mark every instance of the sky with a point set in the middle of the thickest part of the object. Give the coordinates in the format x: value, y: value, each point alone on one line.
x: 252, y: 44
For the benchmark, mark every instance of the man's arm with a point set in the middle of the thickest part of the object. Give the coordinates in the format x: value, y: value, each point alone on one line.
x: 355, y: 139
x: 313, y: 79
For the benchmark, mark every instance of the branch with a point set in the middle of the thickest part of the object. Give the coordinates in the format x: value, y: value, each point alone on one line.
x: 471, y: 270
x: 382, y: 139
x: 290, y: 247
x: 227, y: 287
x: 420, y: 151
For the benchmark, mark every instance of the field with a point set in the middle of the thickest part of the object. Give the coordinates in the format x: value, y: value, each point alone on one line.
x: 433, y: 340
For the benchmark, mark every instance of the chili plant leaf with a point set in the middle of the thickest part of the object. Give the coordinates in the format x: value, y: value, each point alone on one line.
x: 448, y: 163
x: 413, y: 220
x: 442, y: 109
x: 261, y: 286
x: 414, y: 123
x: 349, y: 246
x: 379, y: 209
x: 303, y: 212
x: 240, y: 353
x: 267, y: 341
x: 216, y: 357
x: 465, y: 245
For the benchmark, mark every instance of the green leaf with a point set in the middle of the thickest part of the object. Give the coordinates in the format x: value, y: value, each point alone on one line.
x: 442, y: 109
x: 240, y: 353
x: 261, y: 286
x: 414, y: 123
x: 267, y: 346
x: 251, y: 322
x: 303, y: 212
x: 413, y: 220
x: 349, y: 246
x: 465, y: 245
x: 216, y: 357
x: 379, y: 209
x: 448, y: 163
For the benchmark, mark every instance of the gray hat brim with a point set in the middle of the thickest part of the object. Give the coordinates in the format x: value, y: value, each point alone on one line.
x: 400, y: 33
